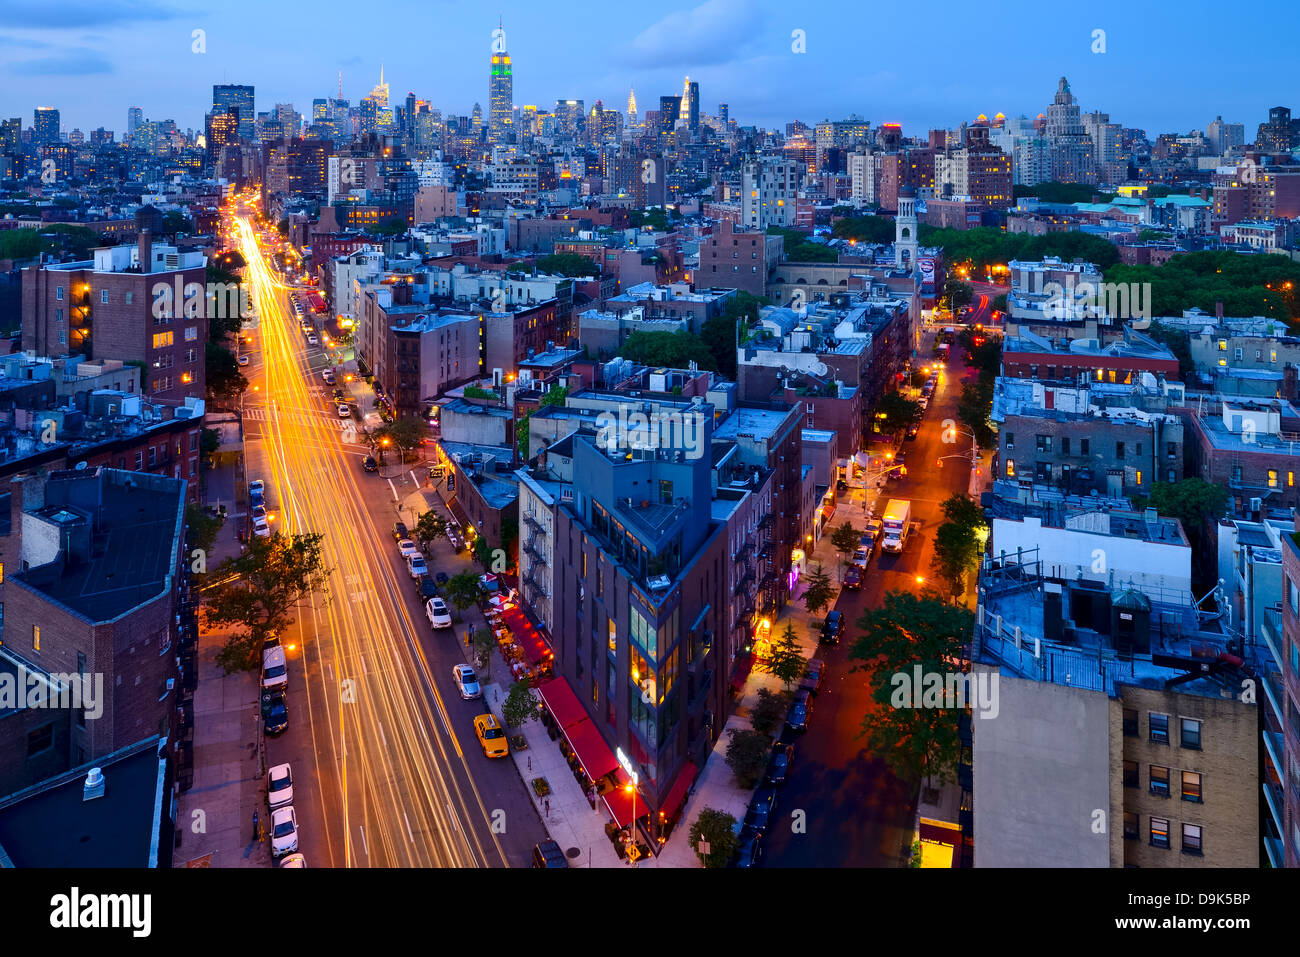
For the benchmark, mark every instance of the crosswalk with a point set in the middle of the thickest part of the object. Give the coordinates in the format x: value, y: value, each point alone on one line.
x: 346, y: 426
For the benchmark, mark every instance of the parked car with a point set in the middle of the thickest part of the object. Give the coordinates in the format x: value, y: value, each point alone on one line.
x: 911, y: 433
x: 369, y: 464
x: 549, y: 854
x: 491, y: 736
x: 399, y: 531
x: 797, y: 719
x: 328, y: 376
x: 812, y: 679
x: 853, y: 578
x: 294, y: 860
x: 261, y: 527
x: 312, y: 340
x: 407, y: 547
x: 440, y: 578
x: 873, y: 528
x: 862, y: 556
x: 779, y: 766
x: 841, y: 485
x: 284, y: 831
x: 279, y: 786
x: 256, y: 490
x: 831, y: 629
x: 749, y: 853
x: 425, y: 588
x: 275, y: 718
x: 275, y: 670
x: 258, y: 511
x: 760, y: 809
x: 244, y: 359
x: 436, y: 611
x: 416, y: 566
x: 345, y: 411
x: 466, y: 682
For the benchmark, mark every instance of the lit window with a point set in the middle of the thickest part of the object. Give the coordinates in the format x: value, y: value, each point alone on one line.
x: 1139, y: 476
x: 1011, y: 468
x: 1272, y: 478
x: 36, y: 637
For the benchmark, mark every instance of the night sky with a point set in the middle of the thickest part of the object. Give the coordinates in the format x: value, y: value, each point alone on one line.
x: 1167, y: 67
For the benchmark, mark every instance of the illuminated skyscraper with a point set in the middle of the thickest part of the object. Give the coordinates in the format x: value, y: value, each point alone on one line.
x: 631, y: 107
x: 501, y: 85
x: 45, y: 125
x: 232, y: 98
x: 380, y: 93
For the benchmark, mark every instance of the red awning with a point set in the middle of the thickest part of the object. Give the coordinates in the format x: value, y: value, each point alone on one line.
x: 526, y: 636
x: 620, y: 801
x: 592, y: 751
x: 677, y: 793
x: 560, y: 700
x: 316, y: 301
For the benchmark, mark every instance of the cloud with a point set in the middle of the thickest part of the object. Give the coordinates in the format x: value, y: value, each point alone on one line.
x: 41, y: 14
x: 705, y: 35
x: 79, y: 62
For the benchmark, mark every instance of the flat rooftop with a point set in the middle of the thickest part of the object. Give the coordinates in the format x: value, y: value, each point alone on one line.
x: 760, y: 423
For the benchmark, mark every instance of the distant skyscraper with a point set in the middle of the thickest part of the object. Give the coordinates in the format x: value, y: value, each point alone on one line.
x: 1276, y: 135
x: 231, y: 98
x: 134, y: 117
x: 631, y: 107
x: 45, y: 126
x: 723, y: 113
x: 670, y: 111
x: 380, y: 93
x: 1073, y: 158
x: 691, y: 105
x: 501, y: 86
x: 1225, y: 137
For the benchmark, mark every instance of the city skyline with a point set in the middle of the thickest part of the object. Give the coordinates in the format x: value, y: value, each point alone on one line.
x: 926, y: 87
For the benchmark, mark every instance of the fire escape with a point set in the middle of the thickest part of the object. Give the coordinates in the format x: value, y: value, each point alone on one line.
x: 533, y: 587
x: 767, y: 584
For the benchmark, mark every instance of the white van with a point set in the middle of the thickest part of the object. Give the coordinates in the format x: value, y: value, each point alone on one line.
x: 275, y: 670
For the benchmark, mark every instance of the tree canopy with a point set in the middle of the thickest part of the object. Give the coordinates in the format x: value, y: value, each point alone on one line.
x: 673, y: 349
x: 567, y: 264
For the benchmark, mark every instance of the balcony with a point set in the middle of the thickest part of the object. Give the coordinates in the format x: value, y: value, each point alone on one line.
x: 534, y: 553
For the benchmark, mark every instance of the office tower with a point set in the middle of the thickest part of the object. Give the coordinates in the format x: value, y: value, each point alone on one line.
x: 1073, y: 158
x: 501, y: 85
x: 134, y: 117
x: 670, y: 111
x: 1277, y: 135
x: 769, y: 186
x: 231, y: 98
x: 222, y: 129
x: 11, y: 135
x: 631, y: 107
x: 570, y: 117
x: 1225, y: 137
x: 319, y: 110
x: 690, y: 108
x: 724, y: 112
x: 45, y: 126
x: 380, y: 93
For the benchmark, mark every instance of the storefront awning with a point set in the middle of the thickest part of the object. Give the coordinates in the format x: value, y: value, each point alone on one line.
x: 560, y: 700
x: 316, y: 301
x: 619, y: 802
x: 526, y: 636
x: 593, y: 753
x: 677, y: 793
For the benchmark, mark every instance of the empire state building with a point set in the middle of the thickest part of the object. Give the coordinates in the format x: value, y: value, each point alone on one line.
x: 501, y: 85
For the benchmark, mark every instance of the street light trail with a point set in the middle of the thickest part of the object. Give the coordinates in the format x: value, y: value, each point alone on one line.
x: 397, y: 787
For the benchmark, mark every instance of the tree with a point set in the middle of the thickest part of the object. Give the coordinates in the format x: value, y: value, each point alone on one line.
x: 786, y: 661
x: 865, y: 229
x: 394, y: 226
x: 907, y: 631
x: 224, y: 380
x: 203, y: 527
x: 520, y: 704
x: 676, y: 350
x: 846, y: 539
x: 484, y: 644
x: 567, y: 264
x: 747, y: 756
x: 898, y: 412
x: 430, y: 527
x: 820, y: 590
x: 404, y: 434
x: 719, y: 332
x: 768, y: 710
x: 974, y: 407
x: 209, y: 442
x: 957, y: 294
x: 963, y: 510
x: 717, y: 829
x: 800, y: 249
x: 462, y: 591
x: 955, y: 550
x: 259, y: 590
x: 1193, y: 501
x: 175, y: 222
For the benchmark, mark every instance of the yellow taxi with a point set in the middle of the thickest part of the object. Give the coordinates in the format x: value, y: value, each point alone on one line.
x: 491, y: 736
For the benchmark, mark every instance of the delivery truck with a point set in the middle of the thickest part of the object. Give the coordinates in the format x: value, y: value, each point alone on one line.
x: 896, y: 522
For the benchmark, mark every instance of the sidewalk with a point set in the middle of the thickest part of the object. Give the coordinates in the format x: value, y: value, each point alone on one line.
x: 216, y: 815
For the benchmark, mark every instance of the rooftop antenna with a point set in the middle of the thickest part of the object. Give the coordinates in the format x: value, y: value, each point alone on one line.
x: 340, y: 84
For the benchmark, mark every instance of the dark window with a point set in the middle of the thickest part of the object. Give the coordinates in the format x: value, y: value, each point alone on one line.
x: 1119, y: 450
x: 1083, y: 446
x: 1130, y: 723
x: 1130, y: 774
x: 1191, y: 734
x: 1159, y: 780
x: 1130, y: 826
x: 1065, y: 445
x: 42, y: 739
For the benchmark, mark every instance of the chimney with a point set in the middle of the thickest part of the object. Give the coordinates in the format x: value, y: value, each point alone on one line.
x: 1218, y: 310
x: 144, y: 250
x: 93, y: 786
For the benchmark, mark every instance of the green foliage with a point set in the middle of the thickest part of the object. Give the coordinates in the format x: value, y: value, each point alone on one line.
x: 203, y: 527
x: 1254, y: 285
x: 1152, y: 235
x: 555, y: 395
x: 719, y: 332
x: 718, y: 830
x: 430, y: 527
x: 846, y: 539
x: 800, y: 249
x: 484, y: 644
x: 986, y: 246
x: 567, y: 264
x: 865, y: 229
x: 918, y: 743
x: 474, y: 392
x: 405, y: 434
x: 673, y: 349
x: 231, y: 259
x: 974, y: 407
x: 209, y: 442
x: 999, y: 303
x: 957, y: 294
x: 820, y: 590
x: 390, y: 227
x: 787, y: 662
x: 1193, y: 501
x: 986, y: 356
x: 21, y: 244
x: 174, y: 222
x: 520, y: 268
x: 1178, y: 342
x: 747, y: 755
x: 259, y: 590
x: 282, y: 227
x: 224, y: 380
x: 462, y: 590
x: 656, y: 219
x: 899, y: 412
x: 955, y: 551
x: 520, y: 705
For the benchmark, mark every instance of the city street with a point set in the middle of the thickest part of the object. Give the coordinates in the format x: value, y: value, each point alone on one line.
x: 387, y: 769
x: 858, y: 814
